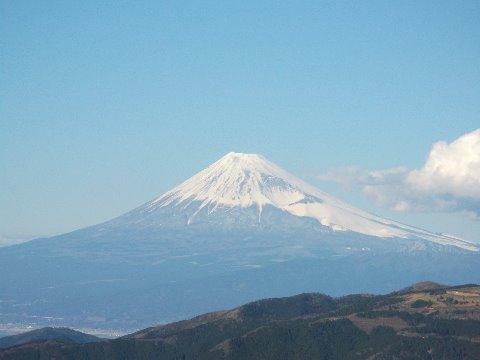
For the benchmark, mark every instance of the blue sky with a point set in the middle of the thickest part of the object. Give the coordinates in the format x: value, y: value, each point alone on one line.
x: 106, y: 104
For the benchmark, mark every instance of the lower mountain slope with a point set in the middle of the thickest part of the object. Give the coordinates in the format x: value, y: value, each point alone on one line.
x: 431, y: 323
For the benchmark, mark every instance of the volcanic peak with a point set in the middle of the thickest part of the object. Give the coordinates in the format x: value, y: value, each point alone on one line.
x: 240, y: 181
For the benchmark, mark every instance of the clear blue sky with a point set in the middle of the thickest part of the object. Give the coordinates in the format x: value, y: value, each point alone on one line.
x: 106, y: 104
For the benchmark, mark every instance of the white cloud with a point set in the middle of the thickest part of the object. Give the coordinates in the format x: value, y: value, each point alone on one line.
x: 451, y: 168
x: 449, y: 180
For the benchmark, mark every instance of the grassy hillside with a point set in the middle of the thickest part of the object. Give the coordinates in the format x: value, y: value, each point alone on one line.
x: 426, y: 321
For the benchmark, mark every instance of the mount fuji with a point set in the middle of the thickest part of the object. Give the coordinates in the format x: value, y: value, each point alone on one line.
x: 238, y: 189
x: 239, y: 230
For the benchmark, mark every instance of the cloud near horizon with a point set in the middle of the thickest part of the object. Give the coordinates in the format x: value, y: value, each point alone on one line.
x: 448, y: 181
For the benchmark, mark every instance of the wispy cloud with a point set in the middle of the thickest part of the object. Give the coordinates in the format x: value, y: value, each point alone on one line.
x: 448, y: 181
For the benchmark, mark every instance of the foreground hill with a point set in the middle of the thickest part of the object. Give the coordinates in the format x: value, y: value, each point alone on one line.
x: 46, y: 334
x: 426, y: 321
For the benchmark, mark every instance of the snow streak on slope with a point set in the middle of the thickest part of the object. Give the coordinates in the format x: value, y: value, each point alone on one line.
x: 245, y: 180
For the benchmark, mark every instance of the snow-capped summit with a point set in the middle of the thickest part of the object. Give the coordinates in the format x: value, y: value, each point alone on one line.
x: 245, y: 181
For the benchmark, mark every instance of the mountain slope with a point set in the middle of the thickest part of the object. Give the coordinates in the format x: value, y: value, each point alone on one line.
x: 440, y: 323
